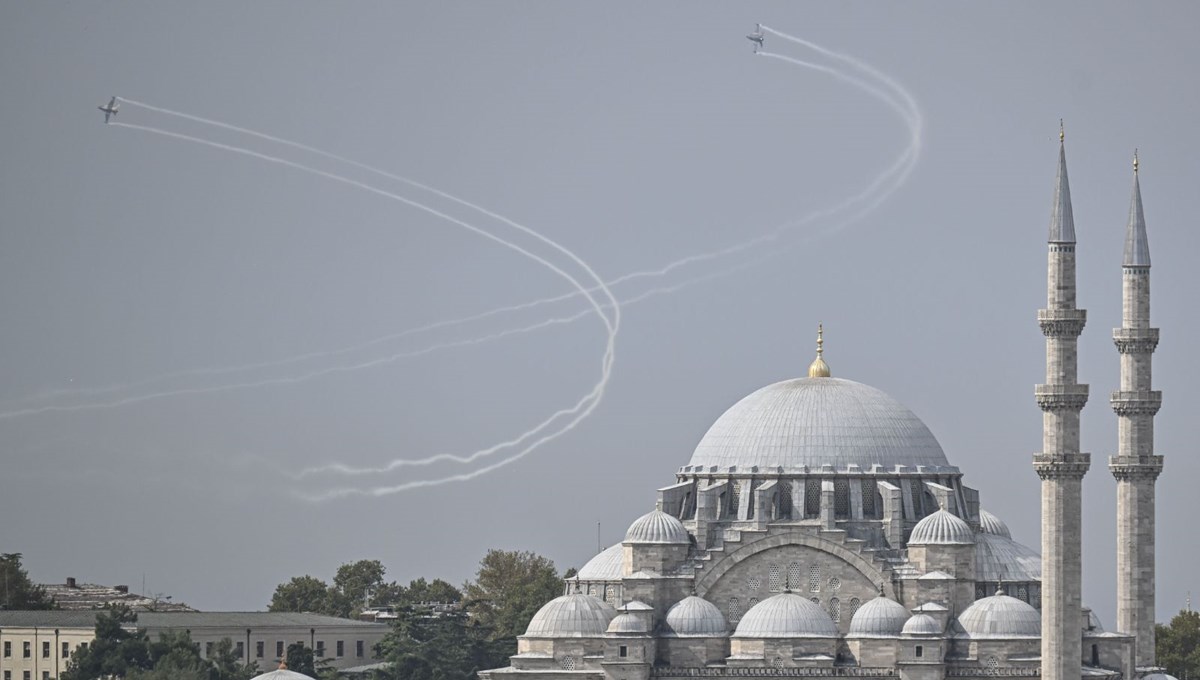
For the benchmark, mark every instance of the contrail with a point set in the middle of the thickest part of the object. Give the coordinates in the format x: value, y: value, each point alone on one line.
x: 590, y: 400
x: 886, y: 184
x: 905, y: 163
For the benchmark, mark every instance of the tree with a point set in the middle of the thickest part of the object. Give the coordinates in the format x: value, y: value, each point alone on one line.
x: 18, y: 591
x: 424, y: 645
x: 226, y: 665
x: 1177, y: 646
x: 509, y: 589
x: 301, y: 659
x: 117, y: 649
x: 421, y: 591
x: 301, y: 594
x: 355, y: 585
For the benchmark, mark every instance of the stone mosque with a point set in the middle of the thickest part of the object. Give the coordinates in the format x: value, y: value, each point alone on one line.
x: 819, y: 530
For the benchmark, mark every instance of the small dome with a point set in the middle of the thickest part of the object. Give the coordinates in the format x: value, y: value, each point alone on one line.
x: 1001, y: 616
x: 605, y: 566
x: 695, y: 616
x: 657, y: 527
x: 942, y: 528
x: 1002, y: 559
x: 922, y: 624
x: 627, y: 624
x: 574, y: 615
x: 1093, y: 622
x: 786, y: 615
x: 880, y: 617
x: 1159, y: 676
x: 991, y: 524
x: 282, y: 674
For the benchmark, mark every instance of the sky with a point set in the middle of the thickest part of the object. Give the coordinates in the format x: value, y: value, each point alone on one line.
x: 186, y: 328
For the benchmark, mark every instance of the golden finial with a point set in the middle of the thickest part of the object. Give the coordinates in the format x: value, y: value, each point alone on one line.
x: 1061, y: 133
x: 1135, y: 161
x: 818, y: 368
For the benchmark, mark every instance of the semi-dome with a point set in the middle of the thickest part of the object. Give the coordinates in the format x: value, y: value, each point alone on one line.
x: 921, y: 624
x: 1000, y: 616
x: 942, y: 528
x: 991, y: 524
x: 656, y: 527
x: 573, y: 615
x: 880, y: 617
x: 1002, y: 559
x: 786, y: 615
x: 605, y: 566
x: 628, y: 624
x: 812, y: 422
x: 694, y: 616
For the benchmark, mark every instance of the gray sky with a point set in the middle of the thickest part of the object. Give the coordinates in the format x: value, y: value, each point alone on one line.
x: 633, y: 134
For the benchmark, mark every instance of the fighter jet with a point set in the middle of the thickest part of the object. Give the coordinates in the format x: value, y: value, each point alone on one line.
x: 110, y: 110
x: 756, y: 37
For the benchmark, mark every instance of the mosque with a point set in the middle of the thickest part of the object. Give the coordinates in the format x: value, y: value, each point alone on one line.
x: 819, y: 530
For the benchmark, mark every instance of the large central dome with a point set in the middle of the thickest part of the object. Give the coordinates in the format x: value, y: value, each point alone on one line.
x: 813, y: 422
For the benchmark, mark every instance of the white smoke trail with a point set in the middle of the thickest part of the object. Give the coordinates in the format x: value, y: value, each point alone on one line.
x: 886, y: 184
x: 581, y: 408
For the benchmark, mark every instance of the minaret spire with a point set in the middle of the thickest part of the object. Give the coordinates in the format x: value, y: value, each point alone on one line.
x: 1135, y: 466
x: 1061, y: 466
x: 818, y: 368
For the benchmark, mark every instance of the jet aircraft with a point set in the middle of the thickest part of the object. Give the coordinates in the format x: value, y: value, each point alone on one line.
x: 110, y: 110
x: 756, y: 37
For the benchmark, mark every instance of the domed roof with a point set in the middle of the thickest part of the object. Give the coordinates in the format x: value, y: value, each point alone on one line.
x: 811, y: 422
x: 880, y: 617
x: 785, y: 615
x: 657, y: 527
x: 1002, y: 559
x: 605, y: 566
x: 574, y: 615
x: 694, y: 616
x: 991, y: 524
x: 1000, y: 616
x: 922, y: 624
x: 628, y: 624
x: 282, y: 674
x: 942, y: 528
x: 1159, y: 676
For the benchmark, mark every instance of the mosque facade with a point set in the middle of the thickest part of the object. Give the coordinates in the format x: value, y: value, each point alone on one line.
x: 820, y: 530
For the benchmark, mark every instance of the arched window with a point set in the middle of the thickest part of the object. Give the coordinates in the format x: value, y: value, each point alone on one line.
x: 610, y: 594
x: 735, y: 492
x: 567, y: 663
x: 812, y: 497
x: 795, y: 576
x: 734, y: 610
x: 868, y: 496
x: 814, y: 578
x: 992, y: 665
x: 855, y: 603
x: 783, y: 502
x: 774, y: 580
x: 841, y: 498
x: 835, y: 583
x: 835, y: 609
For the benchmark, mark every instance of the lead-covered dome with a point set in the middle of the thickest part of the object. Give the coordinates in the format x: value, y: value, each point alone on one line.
x: 605, y: 566
x: 1002, y: 559
x: 1001, y: 616
x: 880, y: 617
x: 657, y: 527
x: 786, y: 615
x: 574, y: 615
x: 282, y: 674
x: 991, y: 524
x: 694, y: 616
x: 942, y: 528
x: 812, y: 422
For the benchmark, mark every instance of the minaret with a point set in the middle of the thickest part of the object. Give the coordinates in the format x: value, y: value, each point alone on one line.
x: 1060, y: 465
x: 1135, y: 466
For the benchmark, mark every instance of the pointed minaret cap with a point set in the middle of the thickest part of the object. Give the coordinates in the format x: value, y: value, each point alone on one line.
x: 1137, y: 246
x: 818, y: 368
x: 1062, y: 221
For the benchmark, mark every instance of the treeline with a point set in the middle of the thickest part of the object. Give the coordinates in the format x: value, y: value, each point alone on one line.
x: 445, y: 643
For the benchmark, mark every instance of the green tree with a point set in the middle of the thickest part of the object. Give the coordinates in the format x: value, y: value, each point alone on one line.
x: 508, y: 590
x: 226, y: 665
x: 301, y: 594
x: 354, y: 587
x: 117, y: 649
x: 18, y: 591
x: 420, y: 591
x: 301, y: 659
x: 445, y: 646
x: 1177, y: 646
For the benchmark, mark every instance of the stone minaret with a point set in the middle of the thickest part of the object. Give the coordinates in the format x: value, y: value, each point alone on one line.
x: 1060, y: 465
x: 1135, y: 466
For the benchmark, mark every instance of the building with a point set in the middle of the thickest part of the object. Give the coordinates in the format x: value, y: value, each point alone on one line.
x: 85, y: 596
x: 38, y: 645
x: 820, y: 530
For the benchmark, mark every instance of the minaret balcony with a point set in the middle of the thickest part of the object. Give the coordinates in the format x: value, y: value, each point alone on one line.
x: 1135, y: 468
x: 1062, y: 323
x: 1061, y: 397
x: 1136, y: 402
x: 1135, y: 340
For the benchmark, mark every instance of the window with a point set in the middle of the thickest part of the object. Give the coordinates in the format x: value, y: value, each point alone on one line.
x: 868, y: 497
x: 66, y: 650
x: 26, y: 650
x: 812, y: 497
x: 841, y: 498
x: 920, y: 651
x: 25, y: 675
x: 358, y: 649
x: 568, y: 663
x: 793, y: 575
x: 279, y: 649
x: 208, y: 647
x: 45, y: 675
x: 45, y: 649
x: 320, y: 649
x: 784, y: 503
x: 734, y: 612
x: 623, y: 651
x: 7, y: 675
x: 240, y: 651
x: 259, y: 649
x: 7, y: 649
x: 814, y: 578
x: 774, y: 582
x: 835, y: 609
x: 83, y: 646
x: 341, y: 648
